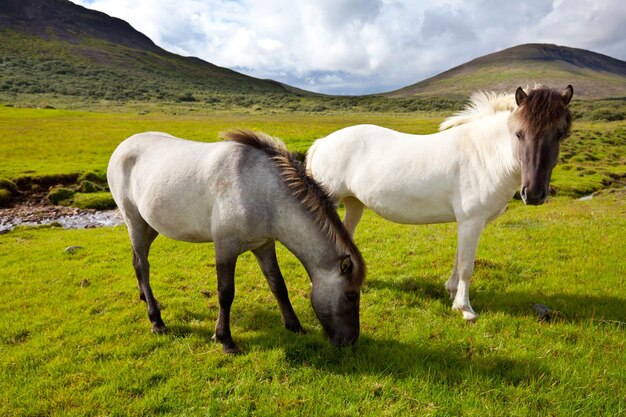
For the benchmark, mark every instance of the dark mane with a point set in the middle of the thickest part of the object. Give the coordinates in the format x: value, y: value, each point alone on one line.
x: 543, y: 110
x: 307, y: 191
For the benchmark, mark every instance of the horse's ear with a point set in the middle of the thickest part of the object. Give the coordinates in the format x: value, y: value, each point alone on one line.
x: 520, y: 96
x: 346, y: 265
x: 567, y: 94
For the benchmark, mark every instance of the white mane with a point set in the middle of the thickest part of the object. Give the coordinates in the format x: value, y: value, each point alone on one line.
x: 481, y: 104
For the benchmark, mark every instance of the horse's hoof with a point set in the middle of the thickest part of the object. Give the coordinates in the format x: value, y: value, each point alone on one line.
x: 469, y: 314
x: 295, y: 327
x: 159, y: 328
x: 228, y: 347
x: 231, y: 349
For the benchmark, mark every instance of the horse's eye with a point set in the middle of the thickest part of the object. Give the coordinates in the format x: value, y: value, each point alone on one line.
x: 352, y: 296
x: 519, y: 135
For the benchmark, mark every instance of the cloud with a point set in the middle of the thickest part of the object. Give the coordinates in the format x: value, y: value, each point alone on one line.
x: 364, y: 46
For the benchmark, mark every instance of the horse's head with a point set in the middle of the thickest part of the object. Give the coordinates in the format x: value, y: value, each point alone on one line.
x: 541, y: 121
x: 335, y: 298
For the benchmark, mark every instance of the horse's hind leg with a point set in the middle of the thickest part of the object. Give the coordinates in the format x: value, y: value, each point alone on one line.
x: 354, y: 212
x: 141, y: 237
x: 453, y: 282
x: 469, y: 233
x: 266, y: 256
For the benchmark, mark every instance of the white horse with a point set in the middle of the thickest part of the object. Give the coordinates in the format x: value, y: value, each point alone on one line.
x: 466, y: 173
x: 241, y: 194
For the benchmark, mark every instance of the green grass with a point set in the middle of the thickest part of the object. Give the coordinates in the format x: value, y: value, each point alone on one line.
x: 75, y: 339
x: 36, y: 142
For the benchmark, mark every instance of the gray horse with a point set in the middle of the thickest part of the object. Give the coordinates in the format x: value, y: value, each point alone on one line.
x: 242, y: 194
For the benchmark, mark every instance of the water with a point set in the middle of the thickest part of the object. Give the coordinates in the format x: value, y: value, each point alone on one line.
x: 81, y: 220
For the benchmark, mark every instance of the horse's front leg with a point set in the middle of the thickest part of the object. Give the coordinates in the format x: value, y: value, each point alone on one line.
x: 266, y: 257
x: 225, y: 265
x: 468, y: 235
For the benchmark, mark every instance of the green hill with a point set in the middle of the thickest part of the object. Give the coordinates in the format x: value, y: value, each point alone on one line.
x: 58, y: 47
x: 593, y: 75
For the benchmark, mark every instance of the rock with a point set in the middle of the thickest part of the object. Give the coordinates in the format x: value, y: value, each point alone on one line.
x: 543, y: 312
x: 72, y: 249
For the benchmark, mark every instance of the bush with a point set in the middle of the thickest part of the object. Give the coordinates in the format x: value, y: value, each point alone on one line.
x: 187, y: 97
x: 9, y: 186
x: 60, y: 196
x: 607, y: 114
x: 88, y: 187
x: 5, y: 197
x: 92, y: 176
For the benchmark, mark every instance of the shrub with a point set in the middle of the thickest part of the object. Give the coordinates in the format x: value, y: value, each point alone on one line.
x: 92, y: 176
x: 9, y: 186
x: 88, y: 187
x: 5, y: 197
x: 610, y: 115
x: 60, y: 196
x: 187, y: 97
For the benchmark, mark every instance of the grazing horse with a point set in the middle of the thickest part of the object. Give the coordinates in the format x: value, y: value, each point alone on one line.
x: 466, y: 173
x: 242, y: 194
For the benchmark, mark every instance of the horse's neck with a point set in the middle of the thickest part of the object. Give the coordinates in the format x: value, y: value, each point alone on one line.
x: 304, y: 238
x: 492, y: 141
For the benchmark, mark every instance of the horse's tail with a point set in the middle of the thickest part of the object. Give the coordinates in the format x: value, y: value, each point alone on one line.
x: 309, y: 157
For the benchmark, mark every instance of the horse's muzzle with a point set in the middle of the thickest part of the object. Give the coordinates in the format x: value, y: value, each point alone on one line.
x: 343, y: 342
x: 535, y: 197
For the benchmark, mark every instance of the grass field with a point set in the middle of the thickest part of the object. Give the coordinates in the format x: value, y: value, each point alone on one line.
x: 75, y: 339
x: 36, y: 142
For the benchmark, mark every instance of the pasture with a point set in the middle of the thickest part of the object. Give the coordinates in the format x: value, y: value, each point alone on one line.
x: 75, y: 339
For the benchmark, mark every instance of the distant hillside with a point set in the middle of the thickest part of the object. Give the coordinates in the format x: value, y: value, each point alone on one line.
x: 593, y: 75
x: 58, y: 47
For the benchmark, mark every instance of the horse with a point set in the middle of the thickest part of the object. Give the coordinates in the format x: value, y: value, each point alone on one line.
x: 467, y: 172
x: 243, y: 194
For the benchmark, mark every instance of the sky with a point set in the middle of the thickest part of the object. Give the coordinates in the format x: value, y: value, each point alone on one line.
x: 365, y: 46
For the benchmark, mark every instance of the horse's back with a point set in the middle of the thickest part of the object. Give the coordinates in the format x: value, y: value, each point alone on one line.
x: 171, y: 183
x: 389, y: 171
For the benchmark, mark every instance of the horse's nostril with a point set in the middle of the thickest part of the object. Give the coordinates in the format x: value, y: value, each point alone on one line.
x: 523, y: 193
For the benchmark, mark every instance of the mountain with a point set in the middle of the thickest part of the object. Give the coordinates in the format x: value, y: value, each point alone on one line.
x: 593, y: 75
x: 57, y: 47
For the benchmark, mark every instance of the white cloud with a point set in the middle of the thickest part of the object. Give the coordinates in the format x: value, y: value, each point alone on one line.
x: 364, y: 46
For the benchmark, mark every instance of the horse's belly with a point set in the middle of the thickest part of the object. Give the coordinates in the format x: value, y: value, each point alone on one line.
x: 178, y: 213
x: 414, y: 210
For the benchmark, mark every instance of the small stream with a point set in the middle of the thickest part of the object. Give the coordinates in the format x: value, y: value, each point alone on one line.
x: 79, y: 220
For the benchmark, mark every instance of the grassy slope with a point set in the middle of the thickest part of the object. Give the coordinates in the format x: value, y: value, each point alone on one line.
x: 94, y: 68
x: 507, y: 77
x: 75, y: 340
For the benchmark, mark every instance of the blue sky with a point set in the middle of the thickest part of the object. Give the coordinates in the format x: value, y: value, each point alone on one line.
x: 365, y: 46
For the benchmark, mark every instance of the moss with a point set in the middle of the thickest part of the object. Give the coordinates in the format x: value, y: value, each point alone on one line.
x: 92, y: 176
x: 9, y: 186
x: 98, y: 201
x: 88, y: 187
x: 60, y: 196
x: 5, y: 197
